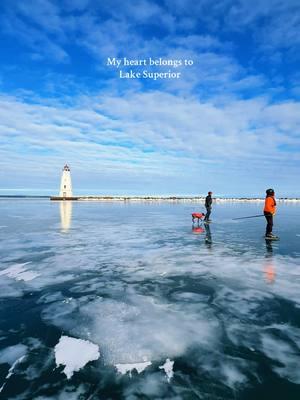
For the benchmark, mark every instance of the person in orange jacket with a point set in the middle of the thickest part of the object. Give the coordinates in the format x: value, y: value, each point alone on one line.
x: 269, y: 212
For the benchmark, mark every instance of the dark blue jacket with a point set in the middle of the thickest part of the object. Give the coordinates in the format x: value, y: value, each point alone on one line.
x: 208, y: 201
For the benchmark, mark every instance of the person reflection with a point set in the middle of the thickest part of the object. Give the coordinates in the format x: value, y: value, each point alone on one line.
x: 208, y: 239
x: 65, y: 215
x: 197, y: 230
x: 269, y: 266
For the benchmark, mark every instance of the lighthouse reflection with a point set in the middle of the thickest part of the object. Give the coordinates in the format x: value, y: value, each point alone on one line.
x: 65, y: 208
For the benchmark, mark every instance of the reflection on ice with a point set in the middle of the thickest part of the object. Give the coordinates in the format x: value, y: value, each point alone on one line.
x: 269, y: 267
x: 208, y: 237
x: 65, y: 208
x: 197, y: 230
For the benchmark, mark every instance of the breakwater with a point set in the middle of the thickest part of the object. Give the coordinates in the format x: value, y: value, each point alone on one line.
x: 181, y: 199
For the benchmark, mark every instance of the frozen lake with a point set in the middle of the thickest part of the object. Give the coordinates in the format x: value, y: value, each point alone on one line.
x: 125, y: 301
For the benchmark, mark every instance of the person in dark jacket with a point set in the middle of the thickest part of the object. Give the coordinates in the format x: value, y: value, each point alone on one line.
x: 269, y: 212
x: 208, y: 203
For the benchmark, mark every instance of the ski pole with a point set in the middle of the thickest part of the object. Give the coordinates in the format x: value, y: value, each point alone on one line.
x: 252, y: 216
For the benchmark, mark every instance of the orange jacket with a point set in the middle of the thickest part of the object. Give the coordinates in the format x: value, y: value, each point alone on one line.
x: 270, y: 205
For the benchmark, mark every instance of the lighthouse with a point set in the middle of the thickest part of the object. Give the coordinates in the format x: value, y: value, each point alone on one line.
x: 65, y: 183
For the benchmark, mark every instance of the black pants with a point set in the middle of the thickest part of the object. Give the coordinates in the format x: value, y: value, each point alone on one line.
x: 269, y: 218
x: 208, y: 211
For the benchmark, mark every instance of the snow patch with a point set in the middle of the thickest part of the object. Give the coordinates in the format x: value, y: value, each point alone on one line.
x: 75, y: 354
x: 139, y: 367
x: 168, y: 368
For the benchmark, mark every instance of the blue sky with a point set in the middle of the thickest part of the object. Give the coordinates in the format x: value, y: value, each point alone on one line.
x: 230, y: 124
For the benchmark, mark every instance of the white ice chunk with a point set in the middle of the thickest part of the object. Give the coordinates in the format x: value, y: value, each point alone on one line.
x: 19, y: 272
x: 139, y: 367
x: 168, y: 368
x: 75, y: 354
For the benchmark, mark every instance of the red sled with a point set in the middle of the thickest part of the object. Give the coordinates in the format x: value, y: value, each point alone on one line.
x: 198, y: 216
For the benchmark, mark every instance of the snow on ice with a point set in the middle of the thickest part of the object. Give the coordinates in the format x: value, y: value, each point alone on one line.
x: 75, y: 354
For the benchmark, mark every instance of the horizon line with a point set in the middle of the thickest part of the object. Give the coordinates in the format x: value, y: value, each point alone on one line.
x: 146, y: 197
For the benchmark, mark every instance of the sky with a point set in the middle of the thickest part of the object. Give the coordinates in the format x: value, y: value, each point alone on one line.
x: 230, y: 123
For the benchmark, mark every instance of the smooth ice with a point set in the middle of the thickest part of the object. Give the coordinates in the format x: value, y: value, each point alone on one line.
x: 173, y: 314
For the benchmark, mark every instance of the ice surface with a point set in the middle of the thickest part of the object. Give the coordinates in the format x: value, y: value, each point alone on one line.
x: 137, y: 327
x: 70, y: 393
x: 133, y: 281
x: 11, y: 370
x: 74, y: 354
x: 287, y: 355
x: 10, y: 354
x: 232, y: 375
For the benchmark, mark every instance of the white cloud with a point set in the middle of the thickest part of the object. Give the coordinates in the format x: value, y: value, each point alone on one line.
x: 152, y: 134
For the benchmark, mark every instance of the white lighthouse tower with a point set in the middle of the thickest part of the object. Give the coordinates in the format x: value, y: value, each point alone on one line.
x: 65, y: 183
